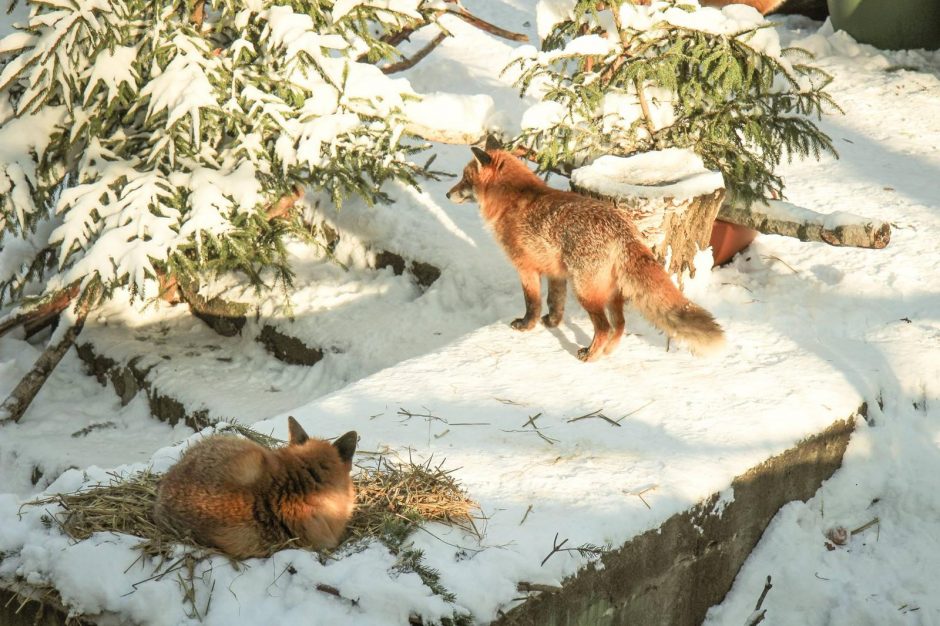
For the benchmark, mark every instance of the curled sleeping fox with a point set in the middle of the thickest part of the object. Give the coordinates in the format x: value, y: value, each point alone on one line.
x: 245, y: 499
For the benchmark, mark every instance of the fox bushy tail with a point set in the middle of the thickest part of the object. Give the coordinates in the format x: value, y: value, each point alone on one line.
x: 660, y: 302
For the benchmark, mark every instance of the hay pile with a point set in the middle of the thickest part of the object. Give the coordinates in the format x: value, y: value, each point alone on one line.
x: 393, y: 498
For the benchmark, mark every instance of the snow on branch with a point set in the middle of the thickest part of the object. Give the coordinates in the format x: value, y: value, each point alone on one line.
x: 158, y: 142
x: 619, y: 79
x: 775, y: 217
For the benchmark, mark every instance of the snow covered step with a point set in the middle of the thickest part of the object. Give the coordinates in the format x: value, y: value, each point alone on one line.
x: 352, y: 323
x: 641, y: 453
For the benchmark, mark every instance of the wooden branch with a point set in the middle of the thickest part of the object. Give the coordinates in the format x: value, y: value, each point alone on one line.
x: 758, y: 615
x: 224, y: 317
x: 644, y: 107
x: 775, y: 217
x: 409, y: 62
x: 25, y: 391
x: 49, y: 308
x: 483, y: 25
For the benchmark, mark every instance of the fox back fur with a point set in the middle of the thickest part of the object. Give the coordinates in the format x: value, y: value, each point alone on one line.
x: 246, y: 499
x: 589, y: 242
x: 764, y: 6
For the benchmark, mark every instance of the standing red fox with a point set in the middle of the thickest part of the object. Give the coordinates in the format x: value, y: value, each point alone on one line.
x: 566, y: 236
x: 246, y: 499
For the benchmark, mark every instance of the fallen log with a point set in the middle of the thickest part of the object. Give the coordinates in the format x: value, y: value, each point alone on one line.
x: 25, y: 391
x: 775, y: 217
x: 223, y: 316
x: 46, y: 309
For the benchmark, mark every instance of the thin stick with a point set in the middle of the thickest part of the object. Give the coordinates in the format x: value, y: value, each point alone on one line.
x: 596, y: 414
x: 531, y: 421
x: 757, y: 618
x: 470, y: 18
x: 865, y: 527
x: 767, y: 587
x: 526, y: 516
x: 409, y: 62
x: 556, y: 547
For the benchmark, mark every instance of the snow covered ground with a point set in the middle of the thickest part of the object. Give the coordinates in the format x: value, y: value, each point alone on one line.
x: 813, y: 331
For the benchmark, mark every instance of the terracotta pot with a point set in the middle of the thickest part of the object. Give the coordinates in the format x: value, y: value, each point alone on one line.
x: 728, y: 239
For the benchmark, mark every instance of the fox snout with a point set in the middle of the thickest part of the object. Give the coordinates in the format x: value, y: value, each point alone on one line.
x: 461, y: 192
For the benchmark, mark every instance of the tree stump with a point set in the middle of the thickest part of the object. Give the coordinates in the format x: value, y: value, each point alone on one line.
x: 670, y: 195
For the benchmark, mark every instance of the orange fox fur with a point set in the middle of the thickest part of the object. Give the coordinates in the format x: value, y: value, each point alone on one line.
x: 569, y: 237
x: 764, y: 6
x: 246, y: 499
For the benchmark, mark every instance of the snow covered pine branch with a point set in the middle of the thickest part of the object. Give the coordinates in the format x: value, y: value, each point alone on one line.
x: 147, y: 143
x: 619, y: 79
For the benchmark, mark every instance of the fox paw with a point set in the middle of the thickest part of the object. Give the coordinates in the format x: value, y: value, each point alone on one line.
x: 584, y: 354
x: 522, y: 324
x: 551, y: 322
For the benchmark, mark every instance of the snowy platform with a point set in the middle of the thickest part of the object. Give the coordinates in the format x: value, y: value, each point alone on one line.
x: 644, y: 440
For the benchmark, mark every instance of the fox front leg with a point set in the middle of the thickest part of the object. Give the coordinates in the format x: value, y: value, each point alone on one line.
x: 557, y: 292
x: 531, y: 290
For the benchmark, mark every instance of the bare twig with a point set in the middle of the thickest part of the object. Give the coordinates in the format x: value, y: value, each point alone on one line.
x: 865, y: 527
x: 639, y: 494
x: 583, y: 549
x: 483, y: 25
x: 333, y: 591
x: 526, y: 516
x: 763, y: 594
x: 758, y: 615
x: 409, y: 62
x: 596, y: 414
x: 537, y: 431
x: 531, y: 421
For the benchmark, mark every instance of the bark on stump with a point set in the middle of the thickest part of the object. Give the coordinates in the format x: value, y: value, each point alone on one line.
x: 675, y: 230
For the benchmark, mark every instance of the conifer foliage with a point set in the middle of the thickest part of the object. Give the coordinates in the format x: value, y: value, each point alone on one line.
x: 620, y: 79
x: 142, y: 138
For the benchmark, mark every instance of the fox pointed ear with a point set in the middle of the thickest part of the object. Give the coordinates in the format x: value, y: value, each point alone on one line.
x: 481, y: 156
x: 346, y: 445
x: 297, y: 433
x: 492, y: 142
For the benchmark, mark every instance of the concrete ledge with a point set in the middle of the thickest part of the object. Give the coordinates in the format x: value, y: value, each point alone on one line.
x: 673, y: 574
x: 130, y: 379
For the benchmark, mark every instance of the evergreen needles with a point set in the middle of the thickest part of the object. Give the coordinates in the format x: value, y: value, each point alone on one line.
x: 147, y: 138
x: 620, y: 79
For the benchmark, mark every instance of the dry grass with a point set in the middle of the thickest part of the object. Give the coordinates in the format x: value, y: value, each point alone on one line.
x: 394, y: 498
x: 390, y: 494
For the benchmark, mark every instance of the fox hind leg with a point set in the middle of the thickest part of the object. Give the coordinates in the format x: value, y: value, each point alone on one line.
x: 531, y: 291
x: 615, y: 308
x: 595, y: 309
x: 557, y: 292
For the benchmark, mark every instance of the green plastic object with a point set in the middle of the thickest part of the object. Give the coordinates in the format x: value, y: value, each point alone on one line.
x: 889, y: 24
